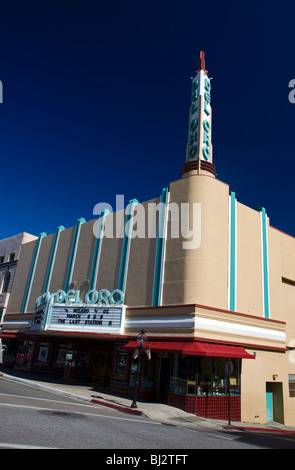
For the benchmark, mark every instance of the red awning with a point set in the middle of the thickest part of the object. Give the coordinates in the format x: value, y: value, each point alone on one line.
x: 193, y: 348
x: 12, y: 335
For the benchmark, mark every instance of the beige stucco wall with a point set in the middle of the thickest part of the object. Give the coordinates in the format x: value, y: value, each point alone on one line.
x: 249, y: 261
x: 110, y: 258
x: 21, y: 278
x: 140, y: 277
x: 191, y: 276
x: 282, y: 265
x: 199, y: 275
x: 141, y: 265
x: 84, y: 256
x: 40, y: 271
x: 62, y: 258
x: 255, y: 375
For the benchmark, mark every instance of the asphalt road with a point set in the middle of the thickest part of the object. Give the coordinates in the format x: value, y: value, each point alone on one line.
x: 35, y: 419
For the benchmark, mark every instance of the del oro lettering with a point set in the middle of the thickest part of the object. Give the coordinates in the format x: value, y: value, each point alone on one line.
x: 92, y: 297
x: 199, y: 129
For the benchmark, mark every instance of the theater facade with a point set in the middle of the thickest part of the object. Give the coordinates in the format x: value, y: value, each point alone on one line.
x: 210, y: 281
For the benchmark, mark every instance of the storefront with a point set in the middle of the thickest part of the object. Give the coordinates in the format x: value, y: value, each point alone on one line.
x: 180, y: 375
x: 196, y: 384
x: 90, y: 342
x: 73, y: 338
x: 73, y: 360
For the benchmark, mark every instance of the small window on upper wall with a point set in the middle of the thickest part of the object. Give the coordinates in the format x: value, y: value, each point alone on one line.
x: 11, y: 256
x: 1, y: 259
x: 6, y: 281
x: 285, y: 280
x: 291, y: 378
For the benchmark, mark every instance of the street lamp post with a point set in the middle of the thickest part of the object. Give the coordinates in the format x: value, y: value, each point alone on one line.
x: 141, y: 341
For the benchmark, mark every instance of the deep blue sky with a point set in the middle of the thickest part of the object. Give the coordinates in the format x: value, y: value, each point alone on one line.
x: 97, y: 96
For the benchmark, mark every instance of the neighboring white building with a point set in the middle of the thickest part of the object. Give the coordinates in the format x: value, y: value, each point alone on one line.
x: 9, y: 254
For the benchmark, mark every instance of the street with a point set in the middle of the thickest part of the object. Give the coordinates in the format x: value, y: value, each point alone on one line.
x: 35, y: 419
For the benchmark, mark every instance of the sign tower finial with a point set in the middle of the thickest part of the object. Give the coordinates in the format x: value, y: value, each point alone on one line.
x: 202, y: 62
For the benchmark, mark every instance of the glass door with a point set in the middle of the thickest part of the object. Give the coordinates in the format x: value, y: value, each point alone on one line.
x: 149, y: 379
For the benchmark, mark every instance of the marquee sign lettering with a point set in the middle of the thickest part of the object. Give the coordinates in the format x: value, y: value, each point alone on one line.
x: 99, y: 311
x: 86, y: 318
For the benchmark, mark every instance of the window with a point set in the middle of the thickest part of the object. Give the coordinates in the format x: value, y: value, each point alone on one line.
x: 291, y: 378
x: 149, y: 378
x: 11, y: 256
x: 43, y: 352
x: 204, y: 375
x: 178, y: 374
x: 121, y: 362
x: 1, y: 259
x: 288, y: 281
x: 61, y: 354
x: 6, y: 282
x: 133, y: 372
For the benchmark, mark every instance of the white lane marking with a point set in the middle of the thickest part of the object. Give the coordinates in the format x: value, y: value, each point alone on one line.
x: 50, y: 400
x: 4, y: 445
x: 221, y: 437
x: 46, y: 388
x: 81, y: 413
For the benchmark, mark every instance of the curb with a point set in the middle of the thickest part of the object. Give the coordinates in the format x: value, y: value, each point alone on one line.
x: 73, y: 395
x: 118, y: 407
x: 44, y: 387
x: 251, y: 428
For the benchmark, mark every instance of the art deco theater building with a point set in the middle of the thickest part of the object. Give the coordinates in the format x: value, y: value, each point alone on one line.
x: 207, y: 278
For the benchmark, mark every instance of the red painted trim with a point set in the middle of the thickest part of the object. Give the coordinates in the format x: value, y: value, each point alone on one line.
x: 117, y: 407
x: 244, y: 345
x: 13, y: 335
x: 207, y: 340
x: 258, y: 429
x: 240, y: 314
x: 202, y: 63
x: 194, y: 165
x: 161, y: 307
x: 208, y: 308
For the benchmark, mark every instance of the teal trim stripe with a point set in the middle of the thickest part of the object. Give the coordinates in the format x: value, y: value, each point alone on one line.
x: 52, y: 258
x: 73, y: 252
x: 32, y: 272
x: 126, y: 245
x: 232, y: 251
x: 97, y: 249
x: 265, y: 279
x: 160, y: 249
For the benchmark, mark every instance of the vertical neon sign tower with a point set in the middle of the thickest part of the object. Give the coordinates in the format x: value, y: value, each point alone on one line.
x: 199, y: 146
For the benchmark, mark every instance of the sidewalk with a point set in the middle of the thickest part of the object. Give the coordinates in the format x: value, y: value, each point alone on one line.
x: 155, y: 411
